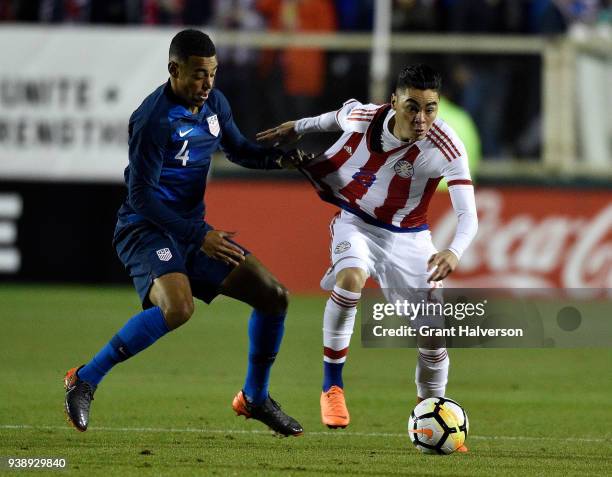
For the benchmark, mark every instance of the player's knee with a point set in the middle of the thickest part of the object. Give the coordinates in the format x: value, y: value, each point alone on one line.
x: 276, y: 299
x: 351, y: 279
x: 178, y: 313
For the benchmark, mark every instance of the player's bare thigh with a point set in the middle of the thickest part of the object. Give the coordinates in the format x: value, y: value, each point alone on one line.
x: 352, y: 279
x: 252, y: 283
x: 172, y: 293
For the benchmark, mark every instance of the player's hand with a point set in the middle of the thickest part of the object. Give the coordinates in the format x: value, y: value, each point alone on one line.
x: 216, y: 245
x: 294, y: 158
x: 444, y: 263
x: 282, y: 134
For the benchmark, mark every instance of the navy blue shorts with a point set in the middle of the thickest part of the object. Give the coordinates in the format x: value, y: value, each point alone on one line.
x: 148, y: 253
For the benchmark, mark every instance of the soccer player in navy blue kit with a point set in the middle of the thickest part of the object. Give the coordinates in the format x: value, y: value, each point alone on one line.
x: 170, y: 252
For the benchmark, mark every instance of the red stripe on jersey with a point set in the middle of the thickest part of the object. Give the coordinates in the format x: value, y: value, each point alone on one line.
x: 363, y: 111
x: 358, y: 187
x: 333, y: 354
x: 348, y: 102
x: 358, y: 119
x: 360, y: 115
x: 448, y: 139
x: 398, y: 191
x: 321, y: 169
x: 433, y: 141
x: 443, y: 143
x: 459, y: 182
x: 418, y: 216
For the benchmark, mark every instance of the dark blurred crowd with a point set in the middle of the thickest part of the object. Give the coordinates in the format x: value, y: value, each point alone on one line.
x: 493, y: 16
x: 284, y: 84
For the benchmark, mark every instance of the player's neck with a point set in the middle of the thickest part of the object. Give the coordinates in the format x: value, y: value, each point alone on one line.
x: 177, y: 98
x: 395, y: 131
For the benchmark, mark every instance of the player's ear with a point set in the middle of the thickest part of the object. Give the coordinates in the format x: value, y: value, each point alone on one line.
x: 173, y: 69
x: 393, y: 100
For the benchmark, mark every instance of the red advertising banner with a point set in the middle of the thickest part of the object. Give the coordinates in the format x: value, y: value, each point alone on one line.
x: 534, y: 237
x: 528, y: 237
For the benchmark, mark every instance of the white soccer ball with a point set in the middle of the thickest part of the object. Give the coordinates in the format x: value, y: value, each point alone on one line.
x: 438, y: 426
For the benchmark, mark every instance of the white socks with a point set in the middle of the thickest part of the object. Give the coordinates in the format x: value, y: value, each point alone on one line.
x: 431, y: 373
x: 338, y: 323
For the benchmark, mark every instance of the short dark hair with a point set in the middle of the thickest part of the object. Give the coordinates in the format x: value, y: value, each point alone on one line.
x: 419, y: 76
x: 191, y: 42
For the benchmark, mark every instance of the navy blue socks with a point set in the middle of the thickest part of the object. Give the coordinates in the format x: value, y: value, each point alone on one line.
x: 140, y: 332
x: 332, y: 375
x: 265, y: 336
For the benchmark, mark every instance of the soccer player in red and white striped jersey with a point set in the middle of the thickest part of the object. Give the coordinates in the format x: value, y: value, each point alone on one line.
x: 382, y: 173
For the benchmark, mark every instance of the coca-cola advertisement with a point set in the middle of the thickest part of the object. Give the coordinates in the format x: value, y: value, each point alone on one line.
x: 535, y: 238
x: 528, y: 237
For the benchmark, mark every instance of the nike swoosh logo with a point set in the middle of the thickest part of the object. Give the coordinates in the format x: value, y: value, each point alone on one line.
x: 184, y: 133
x: 427, y: 432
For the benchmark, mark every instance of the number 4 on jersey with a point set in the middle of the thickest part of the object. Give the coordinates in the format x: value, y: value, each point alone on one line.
x: 183, y: 154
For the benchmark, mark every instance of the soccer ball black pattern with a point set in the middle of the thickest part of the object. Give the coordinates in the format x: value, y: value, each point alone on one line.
x: 438, y: 426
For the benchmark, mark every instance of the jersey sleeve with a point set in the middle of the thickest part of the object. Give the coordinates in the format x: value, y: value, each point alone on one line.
x: 354, y: 116
x: 457, y: 172
x: 464, y: 205
x: 239, y: 149
x: 351, y: 117
x: 146, y: 152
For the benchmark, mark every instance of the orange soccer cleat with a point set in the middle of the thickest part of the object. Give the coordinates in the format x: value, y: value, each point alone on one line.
x: 462, y: 448
x: 334, y: 413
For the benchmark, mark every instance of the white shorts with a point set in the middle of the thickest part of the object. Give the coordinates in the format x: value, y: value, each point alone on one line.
x: 396, y: 260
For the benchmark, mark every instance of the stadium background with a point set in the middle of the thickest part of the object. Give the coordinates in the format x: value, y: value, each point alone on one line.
x: 527, y: 81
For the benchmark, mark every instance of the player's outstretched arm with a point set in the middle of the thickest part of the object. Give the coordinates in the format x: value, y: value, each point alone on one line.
x: 282, y: 134
x: 291, y: 131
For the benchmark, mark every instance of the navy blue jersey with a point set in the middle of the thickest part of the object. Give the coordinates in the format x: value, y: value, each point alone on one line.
x: 170, y: 152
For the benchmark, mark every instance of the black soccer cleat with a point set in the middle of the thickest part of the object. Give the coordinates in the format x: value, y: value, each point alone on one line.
x: 79, y: 395
x: 270, y: 413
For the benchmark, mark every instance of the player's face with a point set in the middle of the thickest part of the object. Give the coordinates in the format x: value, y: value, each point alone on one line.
x: 415, y: 112
x: 192, y: 80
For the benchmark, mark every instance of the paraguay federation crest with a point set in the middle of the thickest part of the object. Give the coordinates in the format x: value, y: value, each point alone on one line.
x: 213, y: 125
x: 403, y: 169
x: 342, y: 247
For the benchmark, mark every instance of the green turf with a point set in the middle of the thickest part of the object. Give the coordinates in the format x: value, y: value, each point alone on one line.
x: 532, y: 412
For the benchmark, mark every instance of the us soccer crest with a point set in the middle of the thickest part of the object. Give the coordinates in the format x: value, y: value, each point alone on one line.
x: 164, y: 254
x: 403, y: 169
x: 213, y: 125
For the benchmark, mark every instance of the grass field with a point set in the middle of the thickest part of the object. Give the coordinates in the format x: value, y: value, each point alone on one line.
x: 167, y: 411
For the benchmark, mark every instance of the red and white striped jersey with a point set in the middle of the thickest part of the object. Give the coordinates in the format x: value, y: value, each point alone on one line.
x: 390, y: 189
